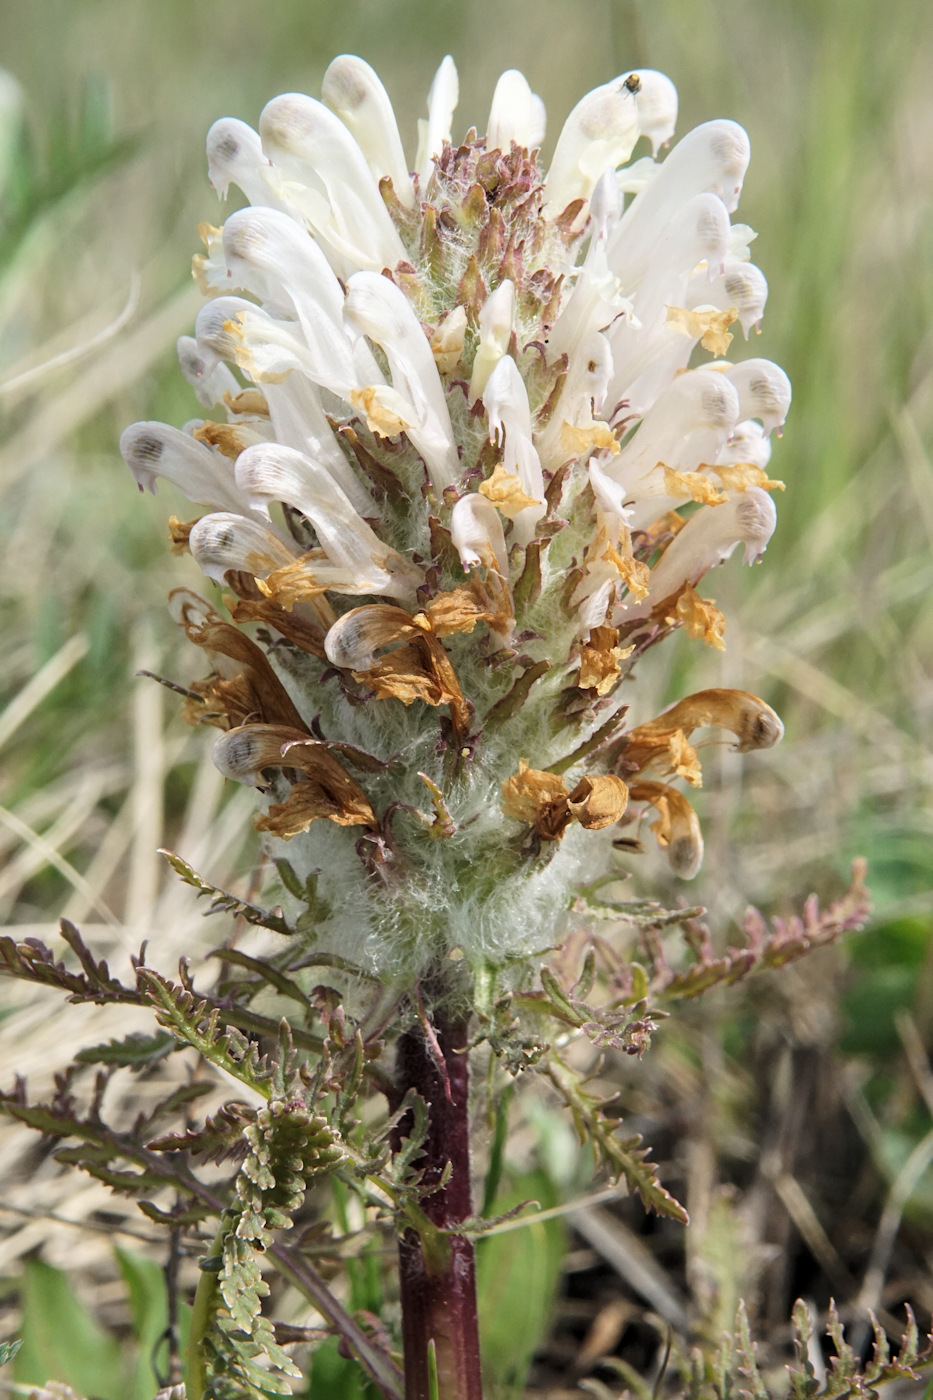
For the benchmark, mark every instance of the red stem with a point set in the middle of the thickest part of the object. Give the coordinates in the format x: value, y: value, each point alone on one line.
x: 439, y: 1294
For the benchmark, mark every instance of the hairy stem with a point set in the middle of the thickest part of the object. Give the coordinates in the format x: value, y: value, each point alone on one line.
x: 437, y: 1275
x: 206, y: 1302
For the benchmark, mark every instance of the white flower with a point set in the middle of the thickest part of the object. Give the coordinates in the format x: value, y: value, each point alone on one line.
x: 458, y: 420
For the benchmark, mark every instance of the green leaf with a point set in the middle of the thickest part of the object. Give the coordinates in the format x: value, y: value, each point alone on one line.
x: 62, y: 1341
x: 222, y: 901
x: 136, y: 1051
x: 517, y: 1275
x: 289, y: 879
x: 149, y: 1310
x: 34, y: 962
x: 336, y: 1377
x: 217, y: 1139
x: 190, y: 1019
x: 511, y: 702
x: 621, y: 1156
x: 9, y: 1349
x: 264, y: 969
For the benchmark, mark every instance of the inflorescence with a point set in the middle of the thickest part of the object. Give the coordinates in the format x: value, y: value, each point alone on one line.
x: 460, y: 478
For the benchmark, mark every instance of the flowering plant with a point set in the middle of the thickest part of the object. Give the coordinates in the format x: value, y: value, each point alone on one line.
x: 431, y: 494
x: 461, y: 480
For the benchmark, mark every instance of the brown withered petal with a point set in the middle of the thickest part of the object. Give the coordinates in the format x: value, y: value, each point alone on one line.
x: 189, y: 609
x: 304, y: 633
x: 251, y: 401
x: 594, y: 436
x: 701, y: 619
x: 539, y: 798
x: 271, y: 702
x: 598, y: 801
x: 744, y: 474
x: 600, y: 658
x: 670, y: 523
x: 316, y: 613
x: 294, y: 583
x: 418, y: 670
x: 693, y: 484
x: 677, y: 827
x: 307, y: 803
x: 243, y: 753
x: 317, y: 761
x: 505, y: 491
x: 402, y: 675
x: 665, y: 749
x: 495, y: 594
x: 224, y: 703
x: 358, y: 634
x: 200, y: 708
x: 633, y: 573
x: 754, y: 724
x: 682, y: 759
x: 230, y: 439
x: 457, y: 611
x: 441, y: 668
x: 178, y: 532
x: 710, y: 326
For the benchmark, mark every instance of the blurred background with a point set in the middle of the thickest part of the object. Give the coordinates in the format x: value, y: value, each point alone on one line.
x: 795, y: 1114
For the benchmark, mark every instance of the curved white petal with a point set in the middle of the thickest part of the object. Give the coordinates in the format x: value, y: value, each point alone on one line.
x: 710, y: 535
x: 516, y: 114
x: 764, y: 391
x: 697, y: 234
x: 600, y: 133
x: 477, y: 533
x: 740, y: 285
x: 656, y: 105
x: 506, y: 403
x: 209, y: 383
x: 711, y: 159
x: 748, y: 443
x: 223, y: 541
x: 596, y: 301
x: 152, y: 450
x: 326, y: 177
x: 353, y: 90
x: 688, y: 425
x: 583, y: 395
x: 496, y: 319
x: 274, y: 258
x: 235, y: 157
x: 609, y: 493
x: 269, y: 472
x: 443, y: 96
x: 380, y: 310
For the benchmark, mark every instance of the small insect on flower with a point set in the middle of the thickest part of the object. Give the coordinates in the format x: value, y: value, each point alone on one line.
x: 458, y: 405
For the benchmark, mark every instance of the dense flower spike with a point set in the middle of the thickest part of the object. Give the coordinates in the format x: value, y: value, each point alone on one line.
x: 476, y: 443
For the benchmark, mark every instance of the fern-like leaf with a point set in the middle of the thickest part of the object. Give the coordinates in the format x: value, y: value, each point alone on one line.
x: 620, y: 1156
x: 223, y: 902
x: 286, y: 1146
x: 220, y: 1139
x: 136, y: 1051
x: 195, y: 1022
x: 32, y: 961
